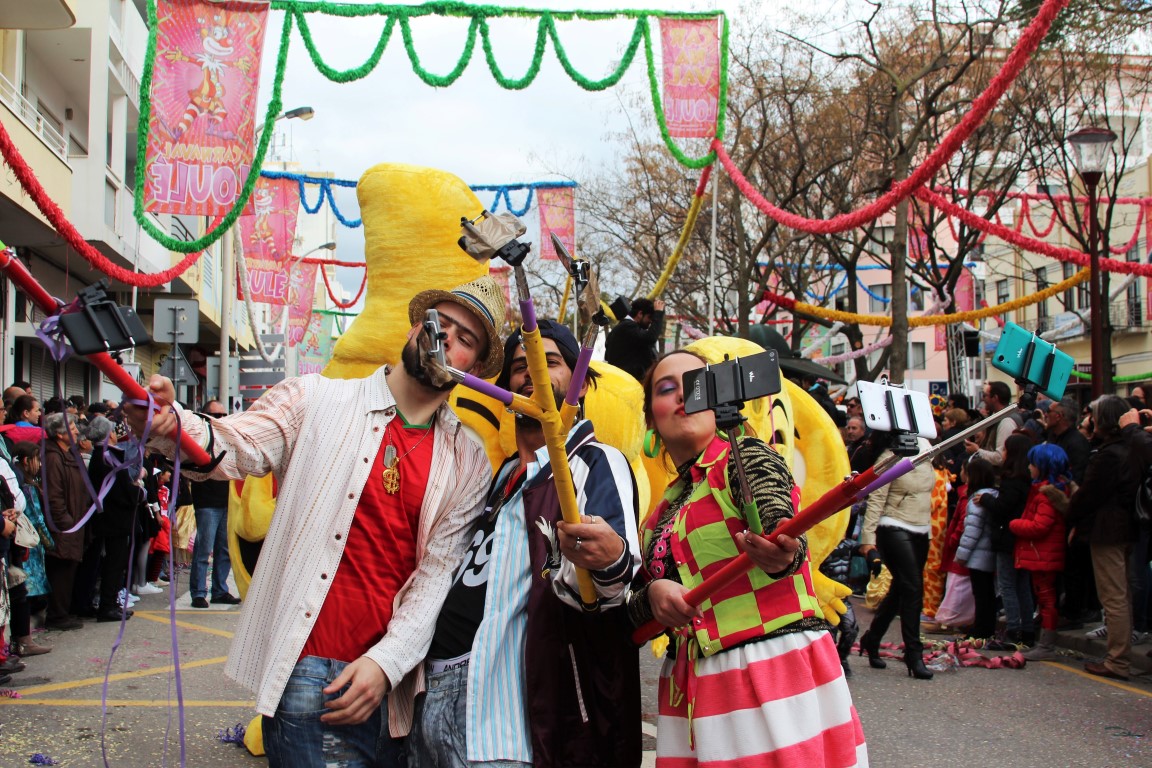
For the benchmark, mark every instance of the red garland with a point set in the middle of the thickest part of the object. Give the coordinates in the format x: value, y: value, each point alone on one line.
x: 903, y: 189
x: 1045, y: 249
x: 66, y: 229
x: 331, y: 295
x: 330, y: 263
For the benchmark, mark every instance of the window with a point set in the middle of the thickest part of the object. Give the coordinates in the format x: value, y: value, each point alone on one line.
x: 1069, y: 295
x: 109, y: 204
x: 1041, y: 284
x: 1133, y: 291
x: 879, y: 297
x: 917, y: 356
x: 1002, y: 293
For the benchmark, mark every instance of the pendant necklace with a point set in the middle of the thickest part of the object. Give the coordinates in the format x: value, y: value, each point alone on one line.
x: 391, y: 473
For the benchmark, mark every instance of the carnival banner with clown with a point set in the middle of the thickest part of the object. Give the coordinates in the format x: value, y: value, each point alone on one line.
x: 267, y: 238
x: 557, y: 216
x: 203, y: 104
x: 301, y: 292
x: 691, y: 53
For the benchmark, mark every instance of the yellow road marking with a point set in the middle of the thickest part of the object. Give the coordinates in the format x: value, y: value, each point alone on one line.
x: 1097, y: 678
x: 162, y: 618
x: 70, y: 685
x: 122, y: 703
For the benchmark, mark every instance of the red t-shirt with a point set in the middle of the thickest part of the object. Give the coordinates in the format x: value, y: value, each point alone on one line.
x: 380, y: 553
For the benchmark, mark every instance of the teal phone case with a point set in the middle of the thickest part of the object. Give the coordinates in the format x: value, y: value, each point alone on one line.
x: 1013, y: 348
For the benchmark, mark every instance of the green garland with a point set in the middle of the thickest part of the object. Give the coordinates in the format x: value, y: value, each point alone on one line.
x: 296, y: 12
x: 1117, y: 379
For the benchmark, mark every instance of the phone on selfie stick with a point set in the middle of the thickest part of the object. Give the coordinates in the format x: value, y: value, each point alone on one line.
x: 723, y: 388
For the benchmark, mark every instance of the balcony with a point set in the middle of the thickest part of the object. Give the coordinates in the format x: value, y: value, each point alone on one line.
x: 27, y: 113
x: 1127, y: 316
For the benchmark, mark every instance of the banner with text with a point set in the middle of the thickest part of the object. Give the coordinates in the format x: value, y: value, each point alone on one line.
x: 268, y: 237
x: 691, y: 53
x: 203, y: 104
x: 316, y: 348
x: 301, y: 292
x: 557, y: 215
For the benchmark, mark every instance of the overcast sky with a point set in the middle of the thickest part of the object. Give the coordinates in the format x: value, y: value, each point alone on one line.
x: 474, y: 128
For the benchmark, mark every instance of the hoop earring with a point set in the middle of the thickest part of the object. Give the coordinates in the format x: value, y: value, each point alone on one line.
x: 651, y: 444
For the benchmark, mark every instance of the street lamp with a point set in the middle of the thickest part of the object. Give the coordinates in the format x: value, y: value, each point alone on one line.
x: 1090, y: 148
x: 228, y: 267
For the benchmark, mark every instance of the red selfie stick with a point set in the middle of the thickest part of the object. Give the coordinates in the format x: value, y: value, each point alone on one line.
x: 15, y: 270
x: 827, y: 505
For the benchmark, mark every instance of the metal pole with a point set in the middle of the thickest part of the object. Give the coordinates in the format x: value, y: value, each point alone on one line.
x: 712, y: 265
x: 227, y: 297
x: 1091, y: 179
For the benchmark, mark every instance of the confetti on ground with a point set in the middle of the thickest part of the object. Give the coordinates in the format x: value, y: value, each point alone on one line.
x: 232, y: 735
x: 42, y: 759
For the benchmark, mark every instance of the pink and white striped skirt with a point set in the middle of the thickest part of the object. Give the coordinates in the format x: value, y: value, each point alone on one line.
x: 780, y: 703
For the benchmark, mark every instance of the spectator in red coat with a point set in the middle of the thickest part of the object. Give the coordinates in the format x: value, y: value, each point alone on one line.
x: 1040, y: 537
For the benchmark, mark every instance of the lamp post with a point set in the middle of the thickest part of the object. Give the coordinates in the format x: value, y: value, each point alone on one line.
x: 1090, y: 148
x: 228, y: 268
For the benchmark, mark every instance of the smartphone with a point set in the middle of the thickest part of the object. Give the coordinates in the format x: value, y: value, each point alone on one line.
x: 913, y: 410
x: 1013, y: 348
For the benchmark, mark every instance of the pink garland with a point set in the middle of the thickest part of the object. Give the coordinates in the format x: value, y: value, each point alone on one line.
x: 981, y: 106
x: 71, y: 236
x: 1011, y: 236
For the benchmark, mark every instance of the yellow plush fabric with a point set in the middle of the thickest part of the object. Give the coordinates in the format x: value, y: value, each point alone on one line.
x: 411, y: 225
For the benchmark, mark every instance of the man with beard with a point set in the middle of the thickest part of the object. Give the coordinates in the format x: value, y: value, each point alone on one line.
x: 519, y: 671
x: 378, y: 487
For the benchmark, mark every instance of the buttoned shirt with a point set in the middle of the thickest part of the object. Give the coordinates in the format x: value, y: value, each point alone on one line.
x: 318, y: 437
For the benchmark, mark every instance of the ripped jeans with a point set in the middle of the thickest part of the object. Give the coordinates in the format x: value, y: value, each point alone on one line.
x: 296, y: 738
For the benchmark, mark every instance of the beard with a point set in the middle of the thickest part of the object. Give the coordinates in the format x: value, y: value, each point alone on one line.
x: 413, y: 366
x: 529, y: 424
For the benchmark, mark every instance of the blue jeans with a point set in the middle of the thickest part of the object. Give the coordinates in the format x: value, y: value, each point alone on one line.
x: 1015, y: 592
x: 211, y: 538
x: 439, y: 736
x: 296, y: 738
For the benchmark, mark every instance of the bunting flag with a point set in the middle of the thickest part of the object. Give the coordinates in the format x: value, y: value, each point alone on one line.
x: 316, y: 348
x: 964, y: 298
x: 203, y: 104
x: 557, y: 216
x: 691, y: 52
x: 268, y: 236
x: 301, y: 292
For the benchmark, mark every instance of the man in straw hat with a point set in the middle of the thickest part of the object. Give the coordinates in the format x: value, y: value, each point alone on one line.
x: 378, y: 487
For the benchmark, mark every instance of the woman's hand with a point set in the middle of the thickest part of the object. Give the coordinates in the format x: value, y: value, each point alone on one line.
x: 9, y: 529
x: 769, y: 557
x: 668, y: 606
x: 591, y: 543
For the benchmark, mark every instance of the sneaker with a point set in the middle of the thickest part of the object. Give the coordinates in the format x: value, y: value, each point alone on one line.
x: 1099, y: 633
x: 12, y: 665
x: 226, y: 599
x: 149, y: 589
x: 125, y: 594
x: 199, y: 602
x: 1139, y: 638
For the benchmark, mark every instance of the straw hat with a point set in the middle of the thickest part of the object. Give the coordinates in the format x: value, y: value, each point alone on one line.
x: 484, y: 299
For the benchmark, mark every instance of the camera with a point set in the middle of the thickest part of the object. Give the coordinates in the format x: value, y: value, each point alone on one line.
x: 732, y: 382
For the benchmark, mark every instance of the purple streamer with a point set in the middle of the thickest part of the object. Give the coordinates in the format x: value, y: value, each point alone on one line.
x: 486, y: 388
x: 51, y: 334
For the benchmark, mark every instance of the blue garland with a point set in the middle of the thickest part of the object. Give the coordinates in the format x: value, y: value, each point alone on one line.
x: 503, y: 192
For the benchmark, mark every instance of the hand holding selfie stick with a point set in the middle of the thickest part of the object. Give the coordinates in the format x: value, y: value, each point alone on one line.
x: 496, y: 237
x: 857, y: 487
x: 15, y: 270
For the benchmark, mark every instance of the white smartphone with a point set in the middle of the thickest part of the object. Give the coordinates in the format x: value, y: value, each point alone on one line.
x: 912, y: 409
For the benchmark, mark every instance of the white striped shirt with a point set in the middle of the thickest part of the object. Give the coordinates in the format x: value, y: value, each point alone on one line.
x: 319, y: 436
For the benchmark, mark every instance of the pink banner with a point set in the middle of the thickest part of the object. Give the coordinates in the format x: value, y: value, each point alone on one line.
x: 268, y: 237
x: 558, y: 216
x: 691, y: 52
x: 203, y: 104
x: 301, y: 292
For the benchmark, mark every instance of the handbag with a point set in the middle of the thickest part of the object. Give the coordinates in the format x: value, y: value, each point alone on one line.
x: 16, y: 576
x: 26, y: 535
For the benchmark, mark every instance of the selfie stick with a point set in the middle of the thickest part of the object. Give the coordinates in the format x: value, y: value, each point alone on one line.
x: 15, y: 271
x: 853, y: 489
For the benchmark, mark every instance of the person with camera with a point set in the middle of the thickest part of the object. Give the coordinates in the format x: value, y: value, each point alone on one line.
x: 515, y: 651
x: 897, y: 523
x: 378, y: 486
x: 631, y: 345
x: 762, y: 642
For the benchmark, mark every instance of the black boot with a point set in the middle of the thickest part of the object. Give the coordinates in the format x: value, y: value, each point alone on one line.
x: 871, y: 646
x: 916, y: 668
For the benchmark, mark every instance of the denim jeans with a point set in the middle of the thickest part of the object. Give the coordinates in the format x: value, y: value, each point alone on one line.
x: 440, y: 728
x: 211, y: 538
x: 296, y: 738
x: 1015, y: 592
